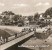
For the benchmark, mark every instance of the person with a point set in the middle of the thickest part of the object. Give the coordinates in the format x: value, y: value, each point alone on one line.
x: 6, y: 39
x: 29, y: 30
x: 34, y: 31
x: 15, y: 35
x: 1, y: 40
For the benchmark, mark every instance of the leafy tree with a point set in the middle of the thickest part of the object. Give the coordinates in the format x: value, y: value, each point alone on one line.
x: 4, y: 13
x: 48, y: 12
x: 30, y: 18
x: 6, y: 18
x: 7, y: 13
x: 10, y: 13
x: 16, y: 17
x: 36, y: 16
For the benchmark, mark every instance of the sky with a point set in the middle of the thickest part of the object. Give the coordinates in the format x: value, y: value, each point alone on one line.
x: 25, y: 7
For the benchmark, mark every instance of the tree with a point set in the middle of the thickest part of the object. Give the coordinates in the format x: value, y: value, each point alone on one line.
x: 20, y: 20
x: 7, y: 13
x: 6, y: 18
x: 48, y: 12
x: 4, y: 13
x: 30, y: 18
x: 16, y: 17
x: 36, y: 16
x: 11, y: 13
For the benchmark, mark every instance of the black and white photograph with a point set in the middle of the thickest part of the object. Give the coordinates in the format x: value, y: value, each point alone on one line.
x: 25, y: 24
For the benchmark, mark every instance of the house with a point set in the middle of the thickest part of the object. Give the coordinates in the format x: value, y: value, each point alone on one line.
x: 41, y: 18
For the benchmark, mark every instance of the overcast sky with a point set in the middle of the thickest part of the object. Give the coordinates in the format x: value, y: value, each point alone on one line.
x: 25, y: 7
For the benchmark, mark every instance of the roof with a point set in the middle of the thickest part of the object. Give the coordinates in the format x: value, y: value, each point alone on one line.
x: 11, y: 32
